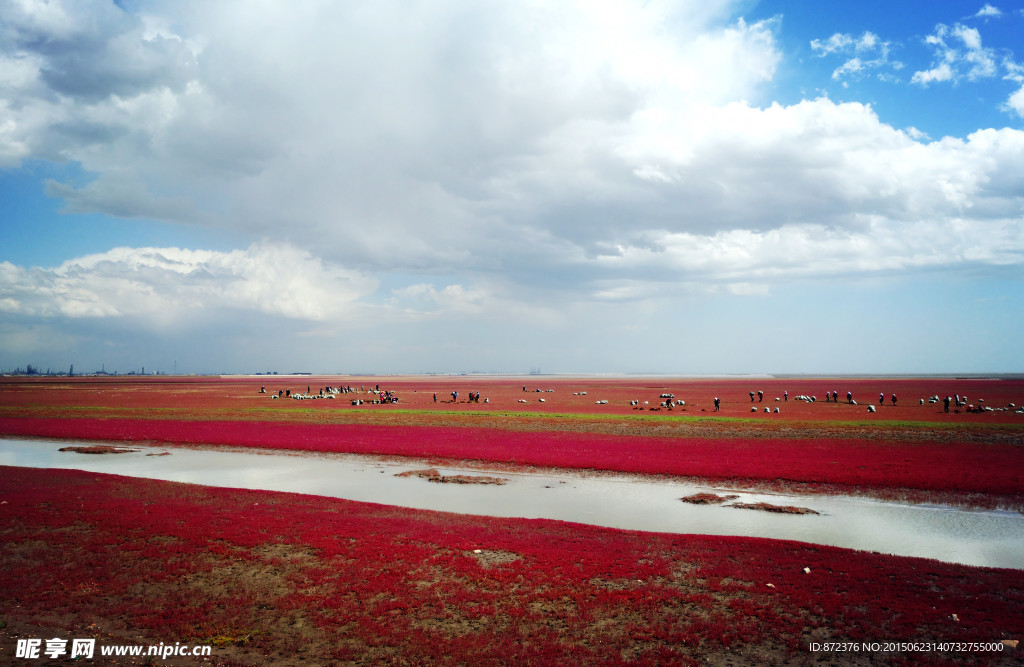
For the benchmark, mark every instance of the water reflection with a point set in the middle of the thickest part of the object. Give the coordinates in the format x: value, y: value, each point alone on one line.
x: 974, y: 537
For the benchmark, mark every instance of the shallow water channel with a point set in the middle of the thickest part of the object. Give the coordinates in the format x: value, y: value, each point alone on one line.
x: 972, y: 537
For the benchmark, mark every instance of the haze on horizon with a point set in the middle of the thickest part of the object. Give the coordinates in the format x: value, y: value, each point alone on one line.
x: 675, y: 187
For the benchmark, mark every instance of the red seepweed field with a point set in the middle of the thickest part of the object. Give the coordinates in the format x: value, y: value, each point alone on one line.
x: 505, y: 394
x: 289, y: 579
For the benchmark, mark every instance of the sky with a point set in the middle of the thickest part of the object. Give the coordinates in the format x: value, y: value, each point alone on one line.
x: 451, y: 186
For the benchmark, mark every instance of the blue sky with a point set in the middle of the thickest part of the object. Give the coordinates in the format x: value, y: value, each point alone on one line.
x: 956, y: 108
x: 653, y: 187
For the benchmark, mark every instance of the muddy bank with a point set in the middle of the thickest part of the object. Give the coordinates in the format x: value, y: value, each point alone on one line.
x: 716, y: 499
x: 97, y: 449
x: 778, y: 509
x: 708, y: 498
x: 432, y: 475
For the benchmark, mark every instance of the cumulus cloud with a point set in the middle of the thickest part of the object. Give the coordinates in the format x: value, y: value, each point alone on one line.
x: 168, y: 287
x: 536, y: 147
x: 423, y: 124
x: 942, y: 71
x: 1016, y: 102
x: 810, y: 251
x: 958, y: 53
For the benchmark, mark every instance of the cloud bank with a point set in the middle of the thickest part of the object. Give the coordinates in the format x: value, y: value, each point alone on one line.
x: 513, y: 156
x: 161, y: 286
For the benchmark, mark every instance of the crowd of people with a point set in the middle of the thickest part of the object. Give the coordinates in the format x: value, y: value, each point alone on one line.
x: 329, y: 391
x: 387, y: 396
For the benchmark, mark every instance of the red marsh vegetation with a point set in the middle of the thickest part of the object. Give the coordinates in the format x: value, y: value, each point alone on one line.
x: 972, y: 467
x: 290, y: 579
x: 275, y: 578
x: 561, y: 396
x: 911, y: 446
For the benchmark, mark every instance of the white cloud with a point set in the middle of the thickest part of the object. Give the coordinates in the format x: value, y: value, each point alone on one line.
x: 844, y: 43
x: 850, y: 67
x: 168, y: 287
x: 1016, y: 102
x: 916, y: 134
x: 801, y: 252
x: 950, y: 63
x: 519, y: 153
x: 837, y: 43
x: 869, y: 53
x: 939, y: 73
x: 1014, y: 71
x: 988, y: 11
x: 982, y: 61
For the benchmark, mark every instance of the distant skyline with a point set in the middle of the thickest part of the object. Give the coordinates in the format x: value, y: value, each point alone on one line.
x: 687, y: 188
